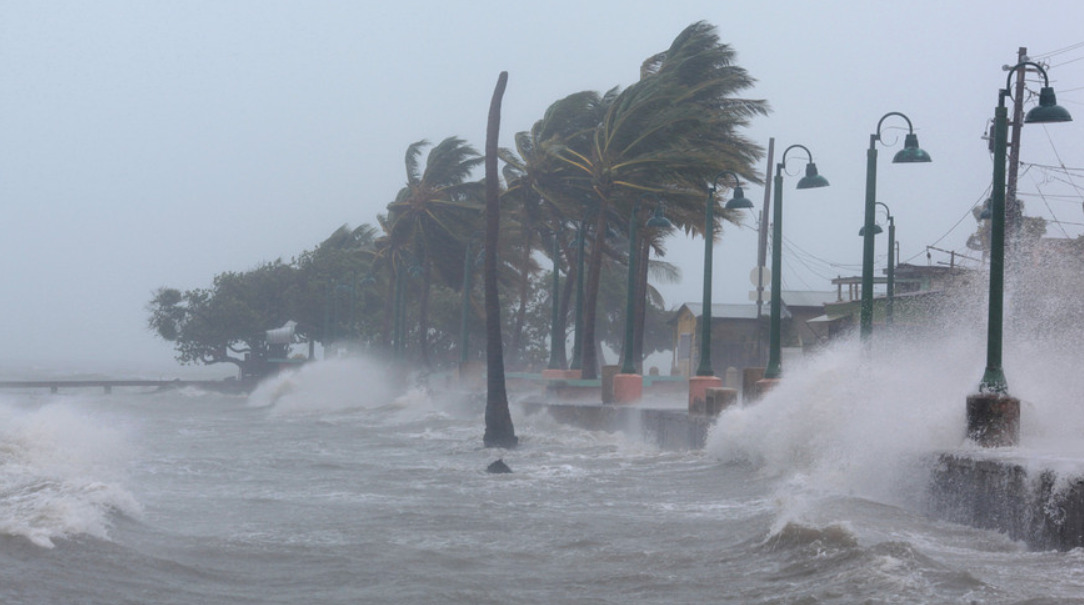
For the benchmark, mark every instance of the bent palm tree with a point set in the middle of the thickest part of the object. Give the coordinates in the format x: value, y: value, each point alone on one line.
x: 668, y: 134
x: 430, y: 215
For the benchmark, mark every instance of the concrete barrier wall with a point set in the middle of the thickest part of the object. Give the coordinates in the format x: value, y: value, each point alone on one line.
x: 1037, y: 507
x: 667, y: 429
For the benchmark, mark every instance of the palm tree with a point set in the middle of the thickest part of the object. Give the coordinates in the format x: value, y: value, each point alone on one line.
x: 499, y: 430
x: 668, y: 134
x: 431, y: 215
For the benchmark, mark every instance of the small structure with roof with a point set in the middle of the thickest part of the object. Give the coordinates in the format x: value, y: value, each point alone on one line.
x: 739, y: 335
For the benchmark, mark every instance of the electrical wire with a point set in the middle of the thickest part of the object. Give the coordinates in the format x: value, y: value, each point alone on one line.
x: 985, y: 194
x: 1058, y: 51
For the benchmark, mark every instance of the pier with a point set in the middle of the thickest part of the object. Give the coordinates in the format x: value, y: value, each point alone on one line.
x: 54, y: 386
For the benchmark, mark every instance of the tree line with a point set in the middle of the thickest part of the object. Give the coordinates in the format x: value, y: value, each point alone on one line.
x: 594, y: 162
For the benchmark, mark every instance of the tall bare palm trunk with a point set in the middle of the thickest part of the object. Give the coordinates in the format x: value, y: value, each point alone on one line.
x: 499, y: 429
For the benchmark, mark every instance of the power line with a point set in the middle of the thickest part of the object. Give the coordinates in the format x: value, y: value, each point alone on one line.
x: 1059, y: 51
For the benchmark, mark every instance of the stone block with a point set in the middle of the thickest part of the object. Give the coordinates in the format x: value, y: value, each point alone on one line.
x: 698, y: 390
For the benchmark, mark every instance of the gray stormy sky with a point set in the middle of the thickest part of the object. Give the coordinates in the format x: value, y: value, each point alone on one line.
x: 145, y: 144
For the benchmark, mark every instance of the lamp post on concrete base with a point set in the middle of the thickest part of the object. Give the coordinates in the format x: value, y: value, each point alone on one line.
x: 811, y: 180
x: 705, y: 377
x: 993, y: 416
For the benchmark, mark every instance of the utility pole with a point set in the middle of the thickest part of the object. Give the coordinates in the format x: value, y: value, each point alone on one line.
x: 762, y: 239
x: 1014, y: 213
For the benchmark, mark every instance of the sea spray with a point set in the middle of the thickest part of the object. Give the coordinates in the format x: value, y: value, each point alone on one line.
x: 332, y: 385
x: 848, y: 424
x: 62, y: 473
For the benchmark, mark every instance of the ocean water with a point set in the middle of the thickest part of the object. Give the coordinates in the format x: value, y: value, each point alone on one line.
x: 328, y: 485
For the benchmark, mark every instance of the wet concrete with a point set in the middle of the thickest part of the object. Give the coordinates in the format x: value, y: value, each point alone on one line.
x: 1039, y: 506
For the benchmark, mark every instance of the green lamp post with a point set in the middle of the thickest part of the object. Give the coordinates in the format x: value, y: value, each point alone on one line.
x: 993, y: 417
x: 891, y: 271
x: 657, y: 221
x: 738, y: 202
x: 811, y: 180
x: 577, y: 334
x: 910, y: 154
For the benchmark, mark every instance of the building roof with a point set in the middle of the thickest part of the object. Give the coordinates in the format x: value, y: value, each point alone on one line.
x: 720, y: 311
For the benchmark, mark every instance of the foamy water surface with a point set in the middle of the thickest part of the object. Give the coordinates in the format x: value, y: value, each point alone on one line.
x: 332, y: 485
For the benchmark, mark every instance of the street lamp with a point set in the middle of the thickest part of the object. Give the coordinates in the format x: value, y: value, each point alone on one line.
x: 993, y: 417
x: 577, y: 333
x: 625, y: 384
x: 910, y: 154
x: 705, y: 375
x: 739, y: 201
x: 889, y: 300
x: 811, y: 180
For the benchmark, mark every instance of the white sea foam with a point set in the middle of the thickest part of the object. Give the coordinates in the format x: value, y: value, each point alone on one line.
x: 61, y: 473
x: 861, y: 422
x: 332, y: 385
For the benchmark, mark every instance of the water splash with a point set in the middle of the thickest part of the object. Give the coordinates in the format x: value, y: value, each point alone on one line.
x: 61, y: 474
x: 864, y: 422
x: 332, y: 385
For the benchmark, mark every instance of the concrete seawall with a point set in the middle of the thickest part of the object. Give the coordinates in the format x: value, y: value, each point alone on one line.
x: 668, y: 429
x: 1041, y: 507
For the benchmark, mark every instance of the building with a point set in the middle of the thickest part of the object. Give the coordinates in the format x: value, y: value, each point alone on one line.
x: 918, y: 291
x: 739, y: 338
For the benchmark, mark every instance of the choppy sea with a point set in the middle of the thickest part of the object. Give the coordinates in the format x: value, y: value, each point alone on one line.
x: 328, y: 486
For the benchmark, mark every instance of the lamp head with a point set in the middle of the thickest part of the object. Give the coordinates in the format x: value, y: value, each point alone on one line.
x: 812, y: 180
x: 876, y: 230
x: 911, y: 152
x: 1048, y: 109
x: 658, y: 221
x: 987, y: 210
x: 739, y: 201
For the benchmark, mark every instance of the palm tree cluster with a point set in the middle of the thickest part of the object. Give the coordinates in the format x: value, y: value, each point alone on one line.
x: 570, y: 183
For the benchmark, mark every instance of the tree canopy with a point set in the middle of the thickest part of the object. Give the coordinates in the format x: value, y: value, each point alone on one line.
x: 400, y: 285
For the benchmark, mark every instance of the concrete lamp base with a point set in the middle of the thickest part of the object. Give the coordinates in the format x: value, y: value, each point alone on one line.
x: 762, y: 386
x: 561, y: 374
x: 628, y: 388
x: 993, y: 420
x: 698, y: 390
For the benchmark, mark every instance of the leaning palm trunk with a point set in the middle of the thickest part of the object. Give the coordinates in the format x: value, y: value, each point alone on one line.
x: 423, y: 316
x: 499, y: 429
x: 590, y: 297
x: 640, y: 313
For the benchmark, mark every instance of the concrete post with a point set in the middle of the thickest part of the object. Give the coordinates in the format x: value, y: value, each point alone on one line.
x: 993, y: 419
